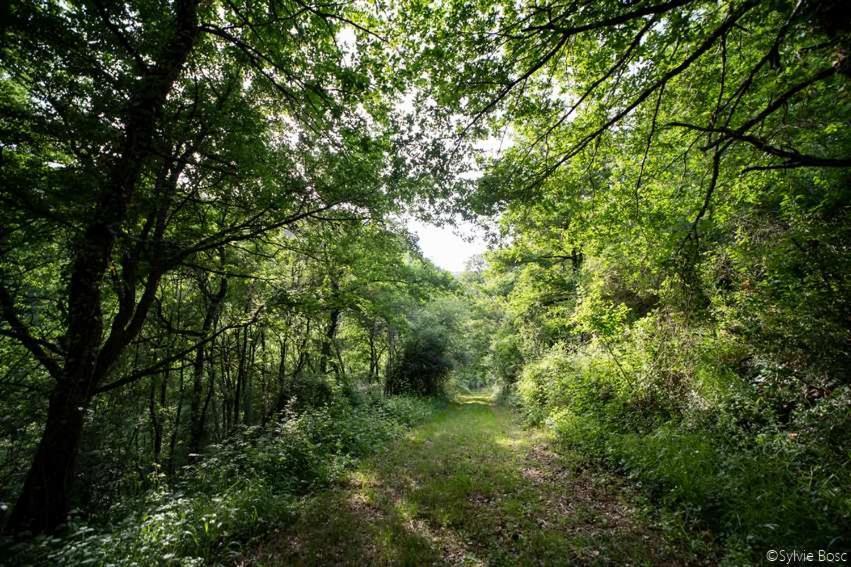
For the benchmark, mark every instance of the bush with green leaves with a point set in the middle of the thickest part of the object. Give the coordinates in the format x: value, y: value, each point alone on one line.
x: 667, y: 405
x: 423, y: 366
x: 239, y: 490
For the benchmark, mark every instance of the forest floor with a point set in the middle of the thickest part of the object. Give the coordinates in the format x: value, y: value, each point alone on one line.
x: 471, y: 487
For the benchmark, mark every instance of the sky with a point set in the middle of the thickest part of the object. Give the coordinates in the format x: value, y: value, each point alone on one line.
x: 449, y: 247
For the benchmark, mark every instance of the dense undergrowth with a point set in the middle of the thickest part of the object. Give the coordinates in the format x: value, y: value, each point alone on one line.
x: 238, y: 490
x: 667, y: 406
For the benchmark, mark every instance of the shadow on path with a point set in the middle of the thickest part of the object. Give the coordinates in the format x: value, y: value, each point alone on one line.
x: 471, y: 487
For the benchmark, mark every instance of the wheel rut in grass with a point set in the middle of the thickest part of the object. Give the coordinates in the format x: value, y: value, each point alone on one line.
x: 470, y: 487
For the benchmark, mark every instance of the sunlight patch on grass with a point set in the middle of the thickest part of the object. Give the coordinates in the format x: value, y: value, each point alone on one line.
x: 460, y: 490
x: 406, y: 509
x: 510, y: 442
x: 484, y: 399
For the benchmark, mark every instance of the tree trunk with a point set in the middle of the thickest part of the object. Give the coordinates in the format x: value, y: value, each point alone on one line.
x: 281, y: 379
x: 241, y: 367
x: 226, y: 388
x: 156, y: 421
x: 44, y: 500
x: 328, y: 342
x: 172, y: 446
x: 373, y: 353
x: 198, y: 406
x: 247, y: 389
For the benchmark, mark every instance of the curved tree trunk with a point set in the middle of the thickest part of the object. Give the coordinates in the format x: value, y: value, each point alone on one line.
x: 43, y: 503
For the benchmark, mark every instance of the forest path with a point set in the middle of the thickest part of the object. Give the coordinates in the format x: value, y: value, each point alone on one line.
x: 470, y: 487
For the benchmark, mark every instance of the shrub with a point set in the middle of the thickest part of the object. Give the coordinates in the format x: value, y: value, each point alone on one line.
x: 243, y: 487
x: 714, y: 434
x: 423, y: 366
x: 583, y: 433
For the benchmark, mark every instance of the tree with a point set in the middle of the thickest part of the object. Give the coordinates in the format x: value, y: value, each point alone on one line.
x: 136, y: 140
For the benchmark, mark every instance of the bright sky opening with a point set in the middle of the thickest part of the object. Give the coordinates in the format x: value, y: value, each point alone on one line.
x: 447, y: 246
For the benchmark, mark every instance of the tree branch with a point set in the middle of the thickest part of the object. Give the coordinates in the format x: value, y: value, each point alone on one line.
x: 795, y: 158
x: 704, y: 46
x: 162, y: 364
x: 613, y: 21
x: 21, y: 333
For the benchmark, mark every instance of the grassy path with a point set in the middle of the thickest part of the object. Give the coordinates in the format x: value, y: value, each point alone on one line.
x: 471, y: 487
